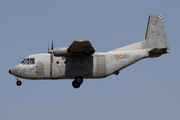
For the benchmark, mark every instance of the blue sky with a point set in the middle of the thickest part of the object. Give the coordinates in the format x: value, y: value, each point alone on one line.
x: 146, y: 90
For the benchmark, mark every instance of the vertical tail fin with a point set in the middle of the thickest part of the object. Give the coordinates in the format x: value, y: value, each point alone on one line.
x: 156, y: 36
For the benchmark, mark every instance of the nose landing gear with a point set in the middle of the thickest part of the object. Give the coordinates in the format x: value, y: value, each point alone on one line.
x: 77, y: 82
x: 18, y: 83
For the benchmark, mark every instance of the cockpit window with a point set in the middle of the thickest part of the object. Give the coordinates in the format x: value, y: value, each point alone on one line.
x: 23, y: 61
x: 27, y: 61
x: 31, y: 60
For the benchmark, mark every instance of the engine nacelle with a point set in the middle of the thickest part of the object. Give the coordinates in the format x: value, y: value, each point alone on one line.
x: 60, y: 52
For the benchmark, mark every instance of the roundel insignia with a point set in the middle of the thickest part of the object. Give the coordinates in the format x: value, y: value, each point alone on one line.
x: 120, y: 56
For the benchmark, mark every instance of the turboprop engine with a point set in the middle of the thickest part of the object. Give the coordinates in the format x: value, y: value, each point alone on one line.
x: 63, y: 51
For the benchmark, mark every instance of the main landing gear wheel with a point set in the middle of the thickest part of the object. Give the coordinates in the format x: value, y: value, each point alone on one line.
x: 77, y: 82
x: 18, y: 83
x: 75, y: 85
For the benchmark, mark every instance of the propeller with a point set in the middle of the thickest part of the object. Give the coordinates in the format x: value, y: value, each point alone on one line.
x: 51, y: 60
x: 52, y: 45
x: 51, y: 51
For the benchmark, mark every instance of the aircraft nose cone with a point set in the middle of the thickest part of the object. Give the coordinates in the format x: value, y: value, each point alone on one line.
x: 10, y: 71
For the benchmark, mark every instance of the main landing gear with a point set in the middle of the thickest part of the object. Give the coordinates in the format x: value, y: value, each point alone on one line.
x: 77, y: 82
x: 18, y: 83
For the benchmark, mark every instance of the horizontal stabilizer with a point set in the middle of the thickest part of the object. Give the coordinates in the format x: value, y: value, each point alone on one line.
x: 156, y: 52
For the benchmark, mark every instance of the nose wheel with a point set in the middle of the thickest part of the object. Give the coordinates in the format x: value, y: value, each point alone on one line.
x: 77, y: 82
x: 18, y: 83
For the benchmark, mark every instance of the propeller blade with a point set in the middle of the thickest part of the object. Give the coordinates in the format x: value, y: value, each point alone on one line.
x: 52, y: 45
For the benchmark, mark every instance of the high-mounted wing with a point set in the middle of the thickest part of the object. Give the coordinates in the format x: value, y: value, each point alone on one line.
x: 78, y: 47
x: 81, y: 47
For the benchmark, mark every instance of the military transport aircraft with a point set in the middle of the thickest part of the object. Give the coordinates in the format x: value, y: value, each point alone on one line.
x: 80, y: 61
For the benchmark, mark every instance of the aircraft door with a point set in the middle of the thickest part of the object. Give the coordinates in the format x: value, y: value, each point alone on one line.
x: 100, y: 66
x: 40, y: 70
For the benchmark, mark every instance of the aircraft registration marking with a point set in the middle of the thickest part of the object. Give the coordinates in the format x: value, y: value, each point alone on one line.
x: 115, y: 57
x: 121, y: 56
x: 125, y: 56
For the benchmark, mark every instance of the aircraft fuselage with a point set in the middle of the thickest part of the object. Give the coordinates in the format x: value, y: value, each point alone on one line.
x: 99, y: 65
